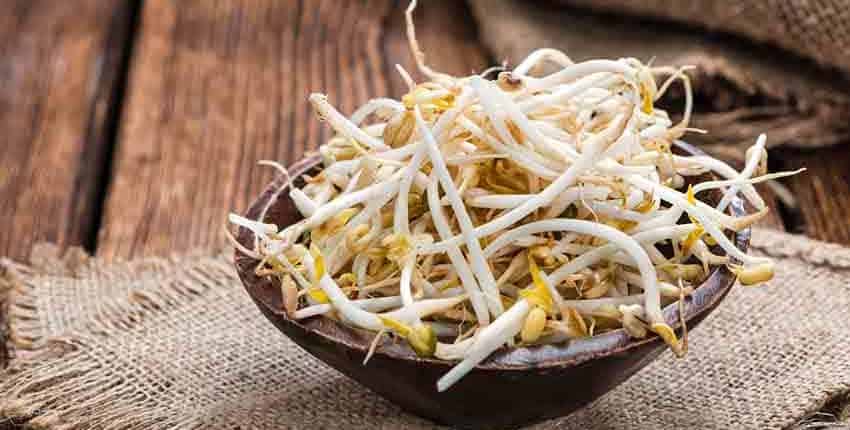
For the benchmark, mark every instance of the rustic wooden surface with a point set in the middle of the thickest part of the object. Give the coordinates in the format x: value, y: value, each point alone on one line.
x: 215, y: 87
x: 823, y: 192
x: 211, y: 87
x: 59, y: 64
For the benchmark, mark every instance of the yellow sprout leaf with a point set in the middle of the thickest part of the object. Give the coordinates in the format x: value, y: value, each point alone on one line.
x: 397, y: 326
x: 644, y: 206
x: 646, y: 96
x: 318, y: 295
x: 692, y: 199
x: 755, y: 274
x: 450, y: 284
x: 318, y: 262
x: 537, y: 295
x: 669, y: 336
x: 445, y: 102
x: 692, y: 238
x: 621, y: 224
x: 534, y: 324
x: 647, y: 89
x: 421, y: 338
x: 338, y: 221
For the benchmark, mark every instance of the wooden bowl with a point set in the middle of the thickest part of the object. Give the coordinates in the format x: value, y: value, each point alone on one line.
x: 514, y: 386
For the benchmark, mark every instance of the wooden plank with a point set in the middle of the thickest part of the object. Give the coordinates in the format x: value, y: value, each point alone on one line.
x: 216, y: 86
x: 60, y: 65
x: 58, y: 74
x: 822, y: 192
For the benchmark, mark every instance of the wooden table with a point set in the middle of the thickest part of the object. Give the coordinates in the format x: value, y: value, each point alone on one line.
x: 134, y: 128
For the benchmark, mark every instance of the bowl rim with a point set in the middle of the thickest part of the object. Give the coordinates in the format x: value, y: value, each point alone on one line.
x: 570, y: 353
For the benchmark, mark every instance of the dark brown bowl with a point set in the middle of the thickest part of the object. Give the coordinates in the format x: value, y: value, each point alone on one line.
x: 514, y: 386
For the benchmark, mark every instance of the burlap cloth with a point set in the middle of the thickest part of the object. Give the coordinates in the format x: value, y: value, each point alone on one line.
x: 744, y: 85
x: 177, y: 343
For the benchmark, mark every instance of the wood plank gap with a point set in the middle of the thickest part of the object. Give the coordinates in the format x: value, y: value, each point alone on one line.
x: 123, y: 26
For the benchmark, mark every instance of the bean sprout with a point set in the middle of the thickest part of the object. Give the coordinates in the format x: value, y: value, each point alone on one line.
x: 472, y: 215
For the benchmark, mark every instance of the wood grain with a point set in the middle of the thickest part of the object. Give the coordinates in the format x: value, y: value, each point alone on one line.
x: 58, y: 71
x: 216, y: 86
x: 822, y: 192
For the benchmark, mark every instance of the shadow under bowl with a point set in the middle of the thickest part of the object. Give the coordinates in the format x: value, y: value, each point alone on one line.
x: 514, y: 386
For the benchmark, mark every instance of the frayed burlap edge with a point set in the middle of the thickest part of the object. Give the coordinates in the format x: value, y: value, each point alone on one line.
x: 81, y: 384
x: 85, y: 383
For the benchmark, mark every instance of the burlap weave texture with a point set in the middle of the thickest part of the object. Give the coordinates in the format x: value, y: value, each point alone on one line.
x: 176, y: 343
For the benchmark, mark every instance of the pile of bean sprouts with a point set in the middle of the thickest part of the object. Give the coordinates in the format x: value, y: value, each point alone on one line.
x: 530, y: 209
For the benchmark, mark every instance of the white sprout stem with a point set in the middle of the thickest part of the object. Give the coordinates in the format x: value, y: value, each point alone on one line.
x: 260, y: 230
x: 381, y: 189
x: 492, y: 96
x: 563, y: 94
x: 559, y: 300
x: 593, y: 147
x: 360, y: 267
x: 398, y: 154
x: 662, y: 218
x: 579, y: 70
x: 479, y: 264
x: 405, y: 281
x: 498, y: 201
x: 418, y: 55
x: 708, y: 185
x: 470, y: 285
x: 424, y: 308
x: 586, y: 306
x: 453, y: 351
x: 341, y: 124
x: 374, y: 105
x: 489, y: 339
x: 568, y: 197
x: 517, y: 154
x: 726, y: 171
x: 401, y: 223
x: 617, y: 238
x: 748, y: 171
x: 469, y: 159
x: 539, y: 56
x: 444, y: 329
x: 591, y: 257
x: 377, y: 304
x: 697, y: 212
x: 300, y: 280
x: 614, y: 211
x: 342, y: 303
